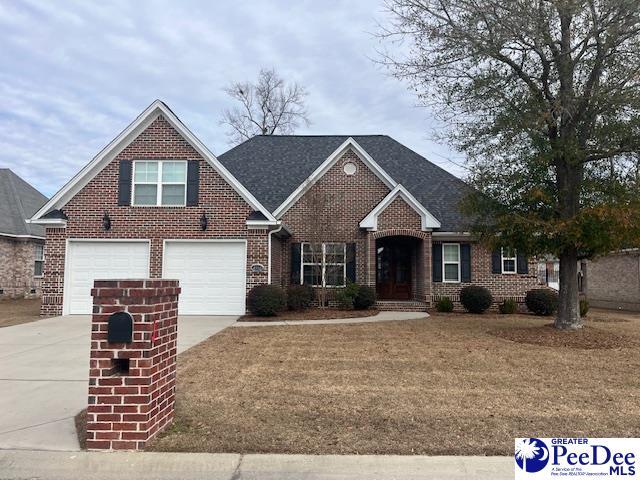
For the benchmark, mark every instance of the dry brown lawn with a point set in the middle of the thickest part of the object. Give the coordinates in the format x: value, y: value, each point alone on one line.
x: 311, y: 314
x: 449, y: 384
x: 15, y: 312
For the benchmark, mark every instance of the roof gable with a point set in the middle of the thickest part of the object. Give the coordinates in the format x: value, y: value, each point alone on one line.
x: 427, y: 220
x: 106, y: 155
x: 18, y: 201
x: 273, y: 167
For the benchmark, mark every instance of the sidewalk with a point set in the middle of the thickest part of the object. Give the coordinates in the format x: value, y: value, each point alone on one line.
x: 23, y: 464
x: 379, y: 317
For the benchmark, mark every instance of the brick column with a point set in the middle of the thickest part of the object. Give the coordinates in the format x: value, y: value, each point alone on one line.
x: 132, y: 385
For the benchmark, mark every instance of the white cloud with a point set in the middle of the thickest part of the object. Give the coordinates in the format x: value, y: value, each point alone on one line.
x: 75, y: 73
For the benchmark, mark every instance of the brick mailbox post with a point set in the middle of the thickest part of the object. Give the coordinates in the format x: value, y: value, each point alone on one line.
x: 133, y: 362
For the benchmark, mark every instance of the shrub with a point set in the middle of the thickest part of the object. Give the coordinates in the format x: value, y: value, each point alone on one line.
x: 584, y: 308
x: 365, y: 298
x: 475, y: 299
x: 299, y: 297
x: 541, y: 301
x: 266, y: 300
x: 444, y: 304
x: 346, y: 296
x: 508, y: 307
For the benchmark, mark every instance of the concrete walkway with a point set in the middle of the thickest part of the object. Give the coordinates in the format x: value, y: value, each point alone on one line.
x: 193, y: 466
x: 44, y: 374
x: 379, y: 317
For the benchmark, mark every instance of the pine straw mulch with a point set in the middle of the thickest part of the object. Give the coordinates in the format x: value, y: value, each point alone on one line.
x: 439, y: 386
x: 18, y: 311
x: 311, y: 314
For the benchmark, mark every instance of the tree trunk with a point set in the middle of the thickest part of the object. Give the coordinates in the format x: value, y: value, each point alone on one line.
x: 568, y: 316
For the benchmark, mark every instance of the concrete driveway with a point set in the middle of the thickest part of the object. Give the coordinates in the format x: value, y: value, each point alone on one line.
x: 44, y: 374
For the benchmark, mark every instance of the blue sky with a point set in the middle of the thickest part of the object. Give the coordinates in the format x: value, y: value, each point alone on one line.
x: 75, y: 73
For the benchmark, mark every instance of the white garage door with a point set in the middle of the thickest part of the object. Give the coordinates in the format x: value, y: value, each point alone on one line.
x: 88, y: 261
x: 212, y: 276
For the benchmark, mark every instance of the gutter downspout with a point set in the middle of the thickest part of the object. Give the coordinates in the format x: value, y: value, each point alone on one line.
x: 269, y: 252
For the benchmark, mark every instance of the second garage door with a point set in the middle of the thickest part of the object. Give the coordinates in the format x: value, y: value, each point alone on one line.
x: 211, y: 273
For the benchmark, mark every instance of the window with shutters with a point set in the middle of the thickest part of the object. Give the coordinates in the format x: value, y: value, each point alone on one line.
x: 509, y: 260
x: 323, y: 264
x: 451, y: 262
x: 158, y: 183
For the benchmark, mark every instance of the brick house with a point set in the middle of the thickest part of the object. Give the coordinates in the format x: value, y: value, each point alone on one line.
x: 619, y: 291
x: 21, y: 244
x: 275, y: 209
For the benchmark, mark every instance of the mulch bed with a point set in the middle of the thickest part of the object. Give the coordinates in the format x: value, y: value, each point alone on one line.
x: 311, y: 314
x: 586, y: 338
x: 443, y: 385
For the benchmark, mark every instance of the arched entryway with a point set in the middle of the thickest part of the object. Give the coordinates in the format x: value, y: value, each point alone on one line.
x: 400, y: 267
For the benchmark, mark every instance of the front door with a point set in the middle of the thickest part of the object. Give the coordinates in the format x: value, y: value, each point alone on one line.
x: 393, y: 269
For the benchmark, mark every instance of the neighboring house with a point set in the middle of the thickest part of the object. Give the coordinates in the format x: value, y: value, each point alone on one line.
x: 21, y: 244
x: 613, y: 280
x: 156, y: 202
x: 549, y: 271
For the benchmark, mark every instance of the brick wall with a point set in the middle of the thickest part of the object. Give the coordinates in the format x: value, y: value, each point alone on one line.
x: 17, y: 259
x: 126, y: 408
x: 501, y: 286
x: 621, y: 290
x: 225, y: 209
x: 356, y: 195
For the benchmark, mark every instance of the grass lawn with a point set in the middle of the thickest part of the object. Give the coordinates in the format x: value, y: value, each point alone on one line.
x: 310, y: 314
x: 15, y: 312
x: 449, y: 384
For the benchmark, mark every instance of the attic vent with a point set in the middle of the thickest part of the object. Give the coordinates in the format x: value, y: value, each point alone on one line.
x: 350, y: 168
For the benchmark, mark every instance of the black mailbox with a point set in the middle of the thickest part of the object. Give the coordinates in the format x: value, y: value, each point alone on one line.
x: 120, y: 328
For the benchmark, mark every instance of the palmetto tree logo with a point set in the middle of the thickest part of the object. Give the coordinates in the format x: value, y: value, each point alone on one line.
x: 531, y: 454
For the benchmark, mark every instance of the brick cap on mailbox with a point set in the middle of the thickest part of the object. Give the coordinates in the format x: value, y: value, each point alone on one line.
x: 147, y: 287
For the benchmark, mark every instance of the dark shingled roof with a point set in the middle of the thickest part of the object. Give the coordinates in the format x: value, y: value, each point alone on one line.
x: 272, y: 167
x: 18, y: 201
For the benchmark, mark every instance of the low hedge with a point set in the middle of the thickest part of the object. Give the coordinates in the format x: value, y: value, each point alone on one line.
x: 444, y: 305
x: 476, y: 299
x: 266, y: 300
x: 299, y: 297
x: 541, y: 301
x: 508, y: 307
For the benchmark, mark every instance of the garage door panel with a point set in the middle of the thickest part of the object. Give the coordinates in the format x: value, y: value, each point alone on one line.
x: 88, y: 261
x: 211, y: 274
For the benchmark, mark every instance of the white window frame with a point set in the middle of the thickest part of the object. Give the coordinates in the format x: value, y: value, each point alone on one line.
x: 159, y: 183
x: 515, y: 262
x: 323, y: 264
x: 38, y: 248
x: 459, y: 263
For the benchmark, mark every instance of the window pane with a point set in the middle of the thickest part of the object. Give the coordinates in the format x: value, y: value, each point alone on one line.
x: 39, y: 252
x: 509, y: 266
x: 37, y: 271
x: 508, y: 252
x: 312, y: 253
x: 145, y: 195
x: 173, y: 194
x: 175, y: 172
x: 312, y: 275
x: 146, y: 171
x: 335, y: 275
x: 451, y: 272
x: 334, y: 253
x: 450, y: 253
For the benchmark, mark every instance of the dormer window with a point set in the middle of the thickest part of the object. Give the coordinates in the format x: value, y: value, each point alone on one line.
x: 159, y: 183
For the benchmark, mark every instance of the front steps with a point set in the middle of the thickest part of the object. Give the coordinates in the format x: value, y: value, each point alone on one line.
x: 401, y: 306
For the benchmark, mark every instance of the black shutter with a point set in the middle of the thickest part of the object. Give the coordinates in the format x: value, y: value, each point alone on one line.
x: 436, y: 256
x: 295, y: 263
x: 351, y: 262
x: 496, y: 261
x: 193, y: 182
x: 465, y: 262
x: 522, y: 263
x: 124, y: 183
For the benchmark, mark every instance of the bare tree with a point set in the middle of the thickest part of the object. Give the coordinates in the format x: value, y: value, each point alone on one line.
x: 269, y: 106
